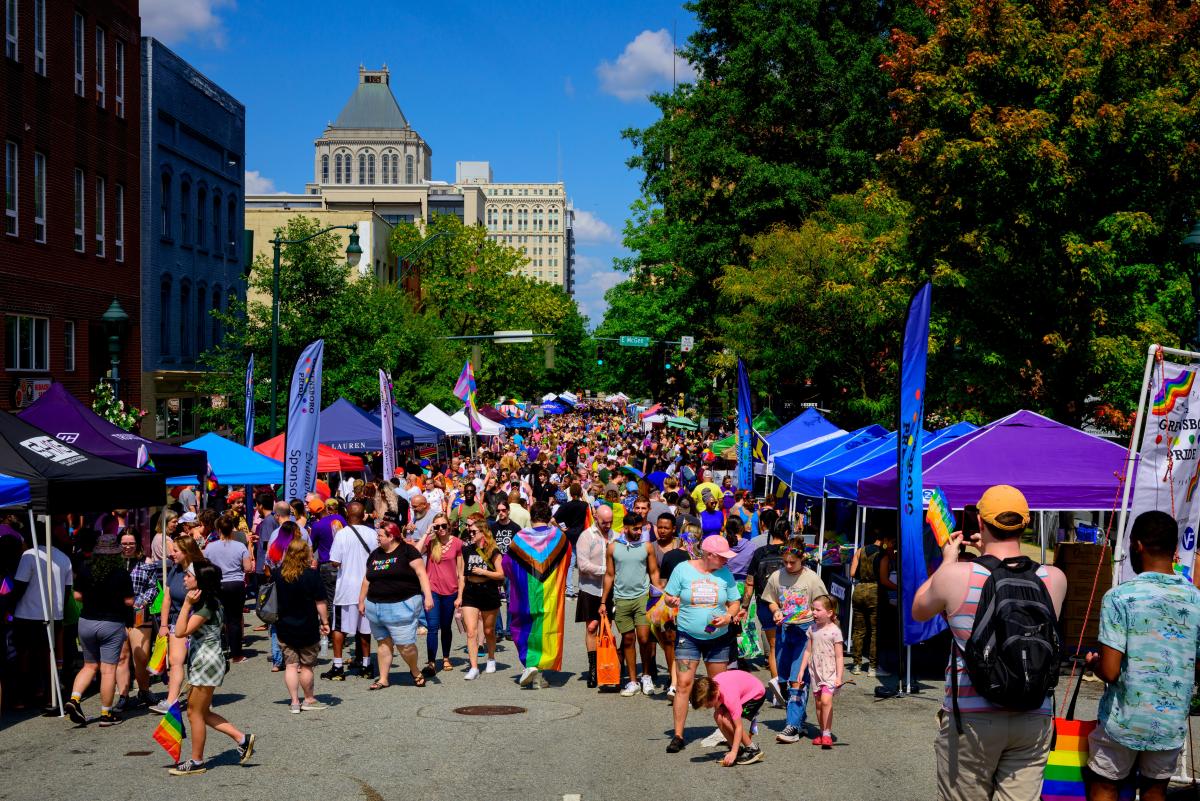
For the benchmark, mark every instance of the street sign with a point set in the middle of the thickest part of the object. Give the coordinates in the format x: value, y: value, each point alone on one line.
x: 635, y: 342
x: 511, y: 337
x: 687, y: 343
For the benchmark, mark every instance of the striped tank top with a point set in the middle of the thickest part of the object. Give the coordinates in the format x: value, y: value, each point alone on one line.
x: 961, y: 622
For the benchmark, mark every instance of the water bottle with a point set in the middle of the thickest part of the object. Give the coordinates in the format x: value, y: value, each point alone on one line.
x: 324, y: 647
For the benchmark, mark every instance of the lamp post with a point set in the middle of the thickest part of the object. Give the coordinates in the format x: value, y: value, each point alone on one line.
x: 1192, y: 243
x: 115, y: 321
x: 353, y: 254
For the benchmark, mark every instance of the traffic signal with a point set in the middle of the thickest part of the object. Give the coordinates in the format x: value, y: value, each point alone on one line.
x: 599, y: 356
x: 668, y: 365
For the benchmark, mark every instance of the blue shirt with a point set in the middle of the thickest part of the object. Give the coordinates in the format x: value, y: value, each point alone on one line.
x: 1154, y: 620
x: 702, y: 596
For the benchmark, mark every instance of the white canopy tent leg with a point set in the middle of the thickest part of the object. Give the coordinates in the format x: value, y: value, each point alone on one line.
x: 45, y: 574
x: 821, y: 531
x: 860, y: 520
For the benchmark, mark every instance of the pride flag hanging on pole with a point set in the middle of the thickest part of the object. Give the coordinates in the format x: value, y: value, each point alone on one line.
x: 249, y: 400
x: 745, y: 431
x: 913, y: 572
x: 387, y: 424
x: 303, y: 423
x: 464, y: 390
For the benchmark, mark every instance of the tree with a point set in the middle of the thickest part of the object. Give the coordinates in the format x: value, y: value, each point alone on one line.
x: 1049, y: 152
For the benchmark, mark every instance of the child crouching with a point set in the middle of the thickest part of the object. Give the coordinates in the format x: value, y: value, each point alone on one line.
x: 733, y: 695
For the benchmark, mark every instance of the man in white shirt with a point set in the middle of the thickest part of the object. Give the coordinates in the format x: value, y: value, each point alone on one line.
x: 30, y: 617
x: 351, y: 546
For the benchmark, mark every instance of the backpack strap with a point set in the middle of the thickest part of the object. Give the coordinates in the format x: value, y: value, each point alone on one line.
x: 954, y: 651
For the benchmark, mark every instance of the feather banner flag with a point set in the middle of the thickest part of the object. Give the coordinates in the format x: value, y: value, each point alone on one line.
x: 248, y: 412
x: 303, y: 423
x: 387, y: 424
x: 745, y: 439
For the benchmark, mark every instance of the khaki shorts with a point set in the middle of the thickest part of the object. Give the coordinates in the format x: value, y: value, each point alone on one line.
x: 630, y: 612
x: 1111, y: 760
x: 999, y: 755
x: 304, y: 657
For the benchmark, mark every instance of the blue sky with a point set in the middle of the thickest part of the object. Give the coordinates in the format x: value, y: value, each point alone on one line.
x: 536, y: 89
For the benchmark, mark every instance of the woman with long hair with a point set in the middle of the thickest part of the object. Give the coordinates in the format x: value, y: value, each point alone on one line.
x: 103, y: 586
x: 303, y: 619
x: 199, y: 623
x: 135, y: 655
x: 183, y: 553
x: 391, y: 598
x: 479, y: 592
x: 233, y: 559
x: 445, y: 569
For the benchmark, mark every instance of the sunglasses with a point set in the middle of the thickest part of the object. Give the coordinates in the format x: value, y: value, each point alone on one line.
x: 440, y: 526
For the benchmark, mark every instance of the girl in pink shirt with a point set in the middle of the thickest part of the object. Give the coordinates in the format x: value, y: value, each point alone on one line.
x: 733, y: 695
x: 823, y: 659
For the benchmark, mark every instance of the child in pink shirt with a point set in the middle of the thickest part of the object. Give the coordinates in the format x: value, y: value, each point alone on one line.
x: 823, y: 659
x: 733, y: 695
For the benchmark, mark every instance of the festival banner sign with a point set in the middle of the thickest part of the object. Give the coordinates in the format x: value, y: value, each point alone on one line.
x: 387, y: 424
x: 745, y: 436
x: 1168, y: 469
x: 913, y: 570
x: 303, y: 423
x: 249, y: 400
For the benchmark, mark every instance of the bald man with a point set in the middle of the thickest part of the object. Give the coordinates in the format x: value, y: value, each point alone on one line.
x: 591, y: 560
x: 352, y: 545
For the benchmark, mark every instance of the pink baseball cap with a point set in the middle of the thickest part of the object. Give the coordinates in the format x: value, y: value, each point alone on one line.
x: 716, y: 545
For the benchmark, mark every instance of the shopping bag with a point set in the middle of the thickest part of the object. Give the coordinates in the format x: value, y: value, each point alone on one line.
x: 1063, y: 778
x: 608, y: 669
x: 749, y: 645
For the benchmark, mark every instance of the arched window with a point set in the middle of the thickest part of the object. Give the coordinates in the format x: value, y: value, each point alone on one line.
x: 371, y: 168
x: 522, y: 219
x: 216, y: 222
x: 325, y: 169
x: 553, y: 218
x: 164, y: 316
x: 410, y: 176
x: 185, y: 320
x: 395, y: 168
x: 216, y: 322
x: 165, y: 206
x: 185, y: 212
x: 491, y: 217
x: 201, y: 316
x: 362, y: 168
x: 337, y: 168
x: 201, y: 223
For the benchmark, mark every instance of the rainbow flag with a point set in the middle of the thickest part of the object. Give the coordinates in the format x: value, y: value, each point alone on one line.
x: 5, y: 586
x: 1171, y: 391
x: 464, y: 390
x: 158, y: 656
x: 940, y: 517
x: 144, y: 462
x: 210, y: 481
x: 169, y: 733
x: 536, y: 566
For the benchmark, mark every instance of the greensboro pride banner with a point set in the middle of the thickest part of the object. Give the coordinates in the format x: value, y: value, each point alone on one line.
x: 1168, y: 470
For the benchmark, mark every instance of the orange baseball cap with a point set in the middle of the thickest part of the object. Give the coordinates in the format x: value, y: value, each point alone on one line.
x: 1000, y: 499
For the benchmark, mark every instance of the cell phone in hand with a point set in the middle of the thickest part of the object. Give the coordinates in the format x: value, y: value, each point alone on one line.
x: 970, y: 523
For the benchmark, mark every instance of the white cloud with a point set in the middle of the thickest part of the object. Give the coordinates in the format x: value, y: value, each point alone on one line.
x: 594, y: 277
x: 644, y: 66
x: 257, y: 184
x: 590, y: 229
x: 174, y: 21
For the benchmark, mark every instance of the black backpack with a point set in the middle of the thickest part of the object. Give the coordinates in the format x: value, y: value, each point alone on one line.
x: 1013, y: 653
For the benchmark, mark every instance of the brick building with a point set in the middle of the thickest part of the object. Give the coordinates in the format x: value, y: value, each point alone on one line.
x: 69, y: 239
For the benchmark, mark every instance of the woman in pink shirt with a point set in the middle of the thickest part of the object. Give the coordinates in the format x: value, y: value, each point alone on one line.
x: 445, y: 569
x: 733, y: 695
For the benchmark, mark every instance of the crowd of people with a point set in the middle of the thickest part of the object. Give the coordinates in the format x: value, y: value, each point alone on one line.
x: 588, y: 511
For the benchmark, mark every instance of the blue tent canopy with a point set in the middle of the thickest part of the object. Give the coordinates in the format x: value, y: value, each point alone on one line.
x: 788, y: 466
x: 843, y: 483
x: 805, y: 427
x: 410, y: 427
x: 347, y: 428
x: 516, y: 422
x: 234, y: 465
x: 810, y: 479
x: 13, y: 492
x: 552, y: 408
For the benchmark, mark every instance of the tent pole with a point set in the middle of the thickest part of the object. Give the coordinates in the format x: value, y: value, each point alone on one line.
x: 821, y: 531
x: 1042, y: 526
x: 1134, y: 448
x: 860, y: 517
x: 908, y: 685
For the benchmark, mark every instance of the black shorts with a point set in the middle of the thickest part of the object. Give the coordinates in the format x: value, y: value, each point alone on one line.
x: 587, y: 608
x: 750, y: 708
x: 484, y: 596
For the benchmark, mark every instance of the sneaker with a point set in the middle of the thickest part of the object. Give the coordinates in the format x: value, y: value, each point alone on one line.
x: 676, y: 745
x: 110, y: 719
x: 188, y: 767
x: 74, y: 711
x: 790, y: 734
x: 472, y: 674
x: 335, y: 673
x: 671, y: 692
x: 313, y: 706
x: 161, y: 708
x: 295, y: 709
x: 528, y: 676
x: 647, y: 686
x: 748, y: 756
x: 542, y: 682
x: 247, y: 750
x: 121, y: 703
x: 855, y: 669
x: 714, y: 739
x: 490, y: 667
x: 631, y: 688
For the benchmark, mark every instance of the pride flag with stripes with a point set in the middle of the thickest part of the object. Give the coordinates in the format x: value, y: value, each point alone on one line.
x: 169, y: 733
x: 1063, y: 780
x: 536, y: 566
x: 158, y: 656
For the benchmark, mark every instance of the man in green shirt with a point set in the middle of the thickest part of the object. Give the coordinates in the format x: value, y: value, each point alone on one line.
x: 461, y: 512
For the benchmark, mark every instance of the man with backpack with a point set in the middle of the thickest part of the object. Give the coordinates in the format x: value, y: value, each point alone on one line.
x: 995, y: 726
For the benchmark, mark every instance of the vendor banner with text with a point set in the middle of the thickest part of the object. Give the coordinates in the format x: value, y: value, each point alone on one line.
x: 303, y: 423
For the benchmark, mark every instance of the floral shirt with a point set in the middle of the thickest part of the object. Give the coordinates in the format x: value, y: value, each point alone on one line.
x: 1154, y: 620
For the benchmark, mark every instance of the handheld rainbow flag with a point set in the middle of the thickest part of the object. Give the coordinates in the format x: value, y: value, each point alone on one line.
x: 940, y: 517
x: 169, y: 733
x: 144, y: 462
x: 158, y: 656
x: 536, y: 566
x: 5, y: 586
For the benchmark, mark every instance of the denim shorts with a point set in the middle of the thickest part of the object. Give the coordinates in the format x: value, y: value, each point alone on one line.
x: 718, y: 649
x: 397, y: 621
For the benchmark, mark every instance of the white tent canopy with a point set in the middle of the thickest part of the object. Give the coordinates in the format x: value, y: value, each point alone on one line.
x: 549, y: 396
x: 488, y: 428
x: 442, y: 421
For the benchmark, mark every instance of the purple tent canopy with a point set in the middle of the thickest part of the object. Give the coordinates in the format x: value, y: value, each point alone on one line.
x: 1057, y: 467
x: 63, y: 416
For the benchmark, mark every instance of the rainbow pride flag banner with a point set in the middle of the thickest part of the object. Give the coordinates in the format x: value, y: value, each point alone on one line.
x: 536, y: 566
x: 940, y: 517
x: 169, y: 733
x: 158, y: 656
x: 1063, y: 779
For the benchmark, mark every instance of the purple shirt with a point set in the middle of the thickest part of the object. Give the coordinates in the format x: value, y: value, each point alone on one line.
x: 321, y: 534
x: 743, y: 552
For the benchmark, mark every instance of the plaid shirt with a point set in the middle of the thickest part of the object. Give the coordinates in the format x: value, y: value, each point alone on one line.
x: 145, y: 576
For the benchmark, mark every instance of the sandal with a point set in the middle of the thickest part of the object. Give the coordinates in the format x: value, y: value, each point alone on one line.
x: 418, y: 680
x: 429, y: 670
x: 446, y: 664
x: 376, y: 685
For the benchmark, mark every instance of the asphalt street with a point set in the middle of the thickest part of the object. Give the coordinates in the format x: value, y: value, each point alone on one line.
x: 409, y: 743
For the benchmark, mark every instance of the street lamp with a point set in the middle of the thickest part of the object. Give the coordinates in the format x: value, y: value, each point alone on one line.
x: 115, y: 321
x: 353, y: 254
x: 1192, y: 243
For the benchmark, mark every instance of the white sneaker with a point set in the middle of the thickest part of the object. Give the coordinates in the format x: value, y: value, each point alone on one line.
x: 630, y: 689
x: 472, y: 674
x: 671, y: 691
x: 647, y: 685
x: 713, y: 740
x: 528, y: 676
x: 490, y: 667
x: 777, y: 693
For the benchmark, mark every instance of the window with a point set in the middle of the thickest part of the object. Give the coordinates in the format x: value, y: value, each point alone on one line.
x: 522, y: 219
x: 216, y: 223
x: 232, y: 227
x: 337, y: 168
x: 185, y: 320
x: 491, y: 218
x: 100, y: 217
x: 165, y: 207
x: 69, y: 345
x: 201, y: 221
x: 216, y: 322
x: 201, y: 316
x: 10, y: 29
x: 26, y: 343
x: 12, y: 160
x: 553, y: 219
x: 409, y: 172
x: 39, y: 36
x: 185, y: 213
x: 119, y: 220
x: 100, y: 67
x: 538, y: 223
x: 324, y: 169
x: 79, y: 56
x: 362, y: 168
x: 79, y: 209
x: 164, y: 316
x: 371, y: 168
x: 39, y: 197
x: 119, y: 76
x: 507, y: 217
